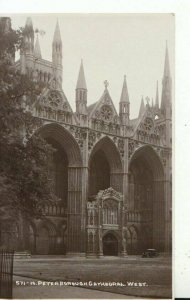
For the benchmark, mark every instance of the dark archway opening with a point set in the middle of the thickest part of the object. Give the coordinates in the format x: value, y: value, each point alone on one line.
x: 110, y: 245
x: 99, y: 178
x: 58, y: 171
x: 146, y: 209
x: 141, y: 182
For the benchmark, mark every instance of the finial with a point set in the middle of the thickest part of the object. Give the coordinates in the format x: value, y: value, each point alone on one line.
x: 147, y: 100
x: 106, y: 83
x: 125, y: 77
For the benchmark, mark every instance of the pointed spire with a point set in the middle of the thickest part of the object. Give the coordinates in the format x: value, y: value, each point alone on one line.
x: 37, y: 50
x: 57, y: 47
x: 166, y: 64
x: 81, y: 82
x: 124, y: 93
x: 157, y: 97
x: 57, y: 34
x: 142, y: 107
x: 166, y: 85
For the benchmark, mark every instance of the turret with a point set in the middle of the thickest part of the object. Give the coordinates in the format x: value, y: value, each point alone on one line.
x: 28, y: 43
x: 124, y: 104
x: 81, y: 93
x: 27, y: 48
x: 157, y: 98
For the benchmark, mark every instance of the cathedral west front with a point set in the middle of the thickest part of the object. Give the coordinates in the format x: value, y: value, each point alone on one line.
x: 111, y: 174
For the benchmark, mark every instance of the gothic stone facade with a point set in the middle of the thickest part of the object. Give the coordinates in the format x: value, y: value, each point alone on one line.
x: 112, y: 174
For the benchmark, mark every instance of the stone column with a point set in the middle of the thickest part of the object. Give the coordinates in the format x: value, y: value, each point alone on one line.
x: 74, y: 210
x: 168, y: 205
x: 125, y: 173
x: 100, y: 233
x: 124, y: 243
x: 158, y: 215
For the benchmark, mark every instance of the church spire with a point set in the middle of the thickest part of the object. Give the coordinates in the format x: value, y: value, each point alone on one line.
x: 57, y: 34
x: 57, y: 47
x: 142, y: 107
x: 166, y: 85
x: 81, y: 82
x: 166, y: 64
x: 157, y: 97
x: 124, y: 104
x: 81, y: 92
x: 37, y: 50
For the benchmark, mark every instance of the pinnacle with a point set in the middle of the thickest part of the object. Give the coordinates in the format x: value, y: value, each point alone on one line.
x: 37, y: 50
x: 81, y: 82
x: 57, y: 34
x: 157, y: 97
x: 124, y: 93
x: 142, y: 107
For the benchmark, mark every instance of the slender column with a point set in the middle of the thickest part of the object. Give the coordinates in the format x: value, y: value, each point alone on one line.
x: 159, y: 215
x: 74, y: 210
x: 124, y: 250
x: 100, y: 242
x: 125, y: 173
x: 168, y: 206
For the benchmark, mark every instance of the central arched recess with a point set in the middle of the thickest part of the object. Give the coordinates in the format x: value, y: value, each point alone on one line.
x: 146, y: 205
x: 65, y: 173
x: 110, y: 245
x: 105, y: 167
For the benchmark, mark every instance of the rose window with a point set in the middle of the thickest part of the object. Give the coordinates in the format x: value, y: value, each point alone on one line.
x: 54, y: 100
x: 106, y: 113
x: 148, y: 124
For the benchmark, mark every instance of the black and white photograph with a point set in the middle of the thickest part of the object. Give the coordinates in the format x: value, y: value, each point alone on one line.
x: 86, y: 155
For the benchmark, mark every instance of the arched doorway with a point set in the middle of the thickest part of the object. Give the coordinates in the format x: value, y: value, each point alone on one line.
x: 67, y: 175
x: 110, y: 245
x: 146, y: 199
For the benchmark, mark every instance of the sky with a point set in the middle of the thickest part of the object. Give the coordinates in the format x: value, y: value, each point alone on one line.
x: 111, y: 46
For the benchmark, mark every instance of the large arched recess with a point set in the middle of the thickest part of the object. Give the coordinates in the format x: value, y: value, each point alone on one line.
x: 147, y: 197
x: 61, y: 139
x: 105, y: 167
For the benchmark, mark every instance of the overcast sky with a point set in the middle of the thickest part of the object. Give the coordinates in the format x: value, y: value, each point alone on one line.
x: 111, y: 45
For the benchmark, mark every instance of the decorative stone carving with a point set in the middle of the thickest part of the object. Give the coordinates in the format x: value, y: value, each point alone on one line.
x: 109, y: 193
x: 121, y: 146
x: 132, y: 147
x: 80, y: 134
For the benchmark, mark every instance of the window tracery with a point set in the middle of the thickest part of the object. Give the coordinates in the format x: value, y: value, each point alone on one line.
x: 106, y: 113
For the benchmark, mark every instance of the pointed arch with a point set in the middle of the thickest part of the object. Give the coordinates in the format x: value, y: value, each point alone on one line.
x: 147, y: 195
x: 151, y: 158
x: 65, y: 139
x: 111, y: 152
